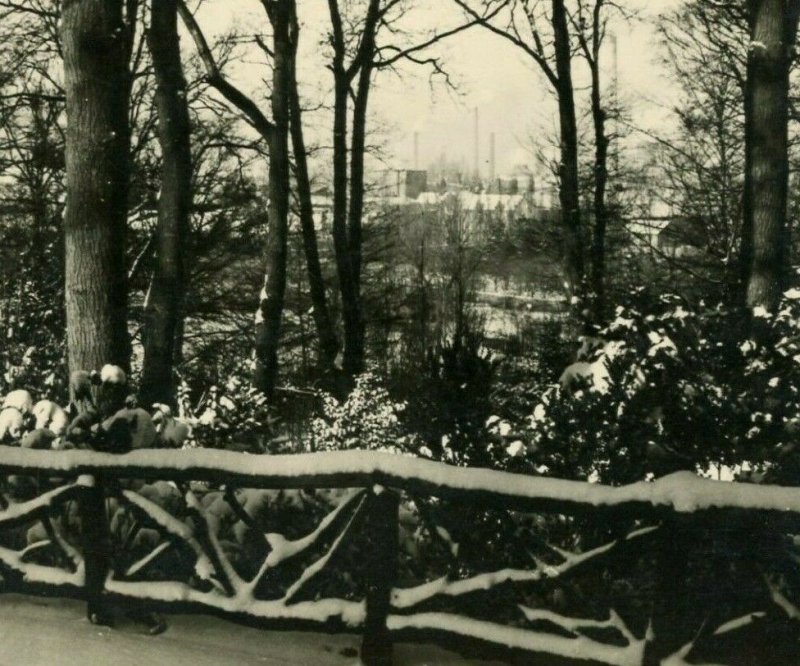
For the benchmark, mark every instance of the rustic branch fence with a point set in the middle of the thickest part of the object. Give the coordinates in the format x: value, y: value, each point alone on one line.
x: 78, y: 487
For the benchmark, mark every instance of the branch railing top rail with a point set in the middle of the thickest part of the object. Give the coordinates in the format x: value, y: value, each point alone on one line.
x: 680, y: 492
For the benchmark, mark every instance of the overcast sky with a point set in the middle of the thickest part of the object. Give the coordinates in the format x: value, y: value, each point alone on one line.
x: 490, y: 74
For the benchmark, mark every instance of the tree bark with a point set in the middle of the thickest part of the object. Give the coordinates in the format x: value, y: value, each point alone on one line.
x: 351, y: 305
x: 598, y: 259
x: 358, y: 142
x: 773, y: 28
x: 347, y: 221
x: 354, y: 352
x: 746, y: 243
x: 96, y: 49
x: 357, y: 149
x: 601, y: 141
x: 270, y: 308
x: 326, y: 334
x: 164, y: 310
x: 568, y: 169
x: 353, y: 356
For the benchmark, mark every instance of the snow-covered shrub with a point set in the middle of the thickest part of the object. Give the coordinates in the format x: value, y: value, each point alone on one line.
x: 449, y: 401
x: 232, y: 416
x: 33, y: 353
x: 517, y: 387
x: 367, y: 419
x: 32, y: 314
x: 672, y: 388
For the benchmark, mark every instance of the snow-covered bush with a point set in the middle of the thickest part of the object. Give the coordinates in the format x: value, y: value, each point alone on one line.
x: 232, y: 416
x: 32, y: 314
x: 32, y: 355
x: 449, y: 401
x: 517, y: 387
x: 367, y: 419
x: 672, y: 388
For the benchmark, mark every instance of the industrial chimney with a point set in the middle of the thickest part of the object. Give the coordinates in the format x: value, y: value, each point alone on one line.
x: 476, y: 158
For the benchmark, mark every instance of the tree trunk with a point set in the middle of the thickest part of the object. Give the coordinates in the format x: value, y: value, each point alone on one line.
x: 773, y: 26
x: 357, y: 150
x: 326, y: 334
x: 746, y: 234
x: 163, y: 313
x: 354, y: 352
x: 97, y: 85
x: 347, y: 223
x: 568, y: 168
x: 270, y: 308
x: 598, y: 257
x: 351, y: 304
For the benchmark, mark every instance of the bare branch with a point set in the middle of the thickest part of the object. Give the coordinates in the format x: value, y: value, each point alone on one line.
x: 215, y: 78
x: 513, y: 36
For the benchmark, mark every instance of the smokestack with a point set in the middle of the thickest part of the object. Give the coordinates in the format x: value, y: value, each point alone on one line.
x: 491, y: 157
x: 476, y: 160
x: 615, y: 64
x: 416, y: 150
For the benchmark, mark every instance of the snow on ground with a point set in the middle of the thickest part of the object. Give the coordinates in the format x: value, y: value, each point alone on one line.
x: 37, y: 631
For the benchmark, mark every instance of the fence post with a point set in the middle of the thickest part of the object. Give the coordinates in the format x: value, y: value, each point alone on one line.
x: 96, y: 545
x: 382, y: 526
x: 671, y: 604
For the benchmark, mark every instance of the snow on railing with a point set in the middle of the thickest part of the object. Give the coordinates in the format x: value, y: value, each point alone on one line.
x: 681, y: 492
x: 94, y: 509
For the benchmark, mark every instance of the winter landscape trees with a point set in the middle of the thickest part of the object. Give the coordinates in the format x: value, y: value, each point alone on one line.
x: 170, y: 169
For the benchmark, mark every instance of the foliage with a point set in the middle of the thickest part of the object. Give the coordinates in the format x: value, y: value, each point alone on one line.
x: 233, y: 416
x: 448, y: 401
x: 31, y: 314
x: 665, y: 387
x: 367, y: 419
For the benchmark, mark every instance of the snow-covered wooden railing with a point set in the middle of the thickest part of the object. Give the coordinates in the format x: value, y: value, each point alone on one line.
x: 87, y: 501
x: 682, y: 492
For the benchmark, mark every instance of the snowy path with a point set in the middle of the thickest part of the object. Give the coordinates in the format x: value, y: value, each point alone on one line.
x: 54, y: 632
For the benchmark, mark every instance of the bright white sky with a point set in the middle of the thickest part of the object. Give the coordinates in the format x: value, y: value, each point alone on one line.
x: 491, y: 75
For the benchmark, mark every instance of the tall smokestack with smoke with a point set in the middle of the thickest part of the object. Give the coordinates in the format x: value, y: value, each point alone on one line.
x: 476, y: 158
x: 491, y: 157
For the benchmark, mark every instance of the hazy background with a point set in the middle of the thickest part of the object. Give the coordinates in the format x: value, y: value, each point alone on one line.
x: 507, y: 88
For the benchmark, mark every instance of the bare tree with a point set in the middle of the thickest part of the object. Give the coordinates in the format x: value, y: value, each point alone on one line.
x: 275, y: 134
x: 700, y: 166
x: 541, y: 30
x: 326, y: 333
x: 589, y: 21
x: 163, y: 309
x: 360, y: 49
x: 346, y: 228
x: 268, y: 319
x: 356, y: 55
